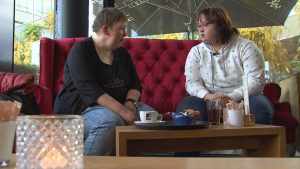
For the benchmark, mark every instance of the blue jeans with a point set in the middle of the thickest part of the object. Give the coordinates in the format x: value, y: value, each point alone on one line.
x: 260, y: 106
x: 99, y: 129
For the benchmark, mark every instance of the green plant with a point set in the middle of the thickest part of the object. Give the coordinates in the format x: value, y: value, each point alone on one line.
x: 32, y: 32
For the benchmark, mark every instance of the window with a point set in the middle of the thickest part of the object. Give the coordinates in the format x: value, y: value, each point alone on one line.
x: 279, y: 44
x: 33, y: 19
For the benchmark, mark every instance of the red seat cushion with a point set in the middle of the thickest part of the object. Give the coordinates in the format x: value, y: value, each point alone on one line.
x: 10, y: 80
x: 290, y: 124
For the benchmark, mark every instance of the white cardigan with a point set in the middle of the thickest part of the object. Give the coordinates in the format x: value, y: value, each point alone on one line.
x: 207, y: 71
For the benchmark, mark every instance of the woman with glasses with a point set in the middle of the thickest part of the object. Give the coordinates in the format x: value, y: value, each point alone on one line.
x: 215, y: 67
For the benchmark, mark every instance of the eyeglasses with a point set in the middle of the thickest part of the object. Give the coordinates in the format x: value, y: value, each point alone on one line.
x: 200, y: 26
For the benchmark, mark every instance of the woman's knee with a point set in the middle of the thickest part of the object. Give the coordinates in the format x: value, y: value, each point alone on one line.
x: 190, y: 102
x: 99, y: 130
x: 144, y: 107
x: 262, y: 108
x: 101, y: 116
x: 195, y: 103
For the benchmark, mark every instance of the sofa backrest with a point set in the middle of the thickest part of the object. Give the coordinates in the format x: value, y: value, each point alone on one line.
x: 159, y: 64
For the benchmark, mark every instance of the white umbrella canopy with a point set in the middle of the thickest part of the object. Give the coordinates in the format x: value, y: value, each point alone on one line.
x: 148, y: 17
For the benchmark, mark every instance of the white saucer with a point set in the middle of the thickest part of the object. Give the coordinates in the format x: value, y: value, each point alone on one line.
x: 157, y: 122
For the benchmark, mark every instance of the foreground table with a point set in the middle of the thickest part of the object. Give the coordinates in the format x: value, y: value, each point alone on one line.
x: 257, y: 141
x: 94, y: 162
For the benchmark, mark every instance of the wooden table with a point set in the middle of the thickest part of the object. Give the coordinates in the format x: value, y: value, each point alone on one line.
x: 94, y: 162
x: 257, y: 141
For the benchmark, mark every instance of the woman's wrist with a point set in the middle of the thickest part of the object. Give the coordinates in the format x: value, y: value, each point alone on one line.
x: 206, y: 96
x: 132, y: 102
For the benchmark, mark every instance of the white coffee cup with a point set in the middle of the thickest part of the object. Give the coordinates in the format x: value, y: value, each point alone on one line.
x: 236, y: 117
x: 7, y: 135
x: 150, y: 116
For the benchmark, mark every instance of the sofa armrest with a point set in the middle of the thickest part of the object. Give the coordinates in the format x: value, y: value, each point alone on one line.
x: 283, y: 107
x: 43, y: 97
x: 285, y: 119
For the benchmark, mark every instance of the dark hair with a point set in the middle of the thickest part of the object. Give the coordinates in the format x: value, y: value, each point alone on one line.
x: 222, y: 22
x: 108, y: 16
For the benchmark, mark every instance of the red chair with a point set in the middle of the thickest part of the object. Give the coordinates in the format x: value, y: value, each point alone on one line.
x: 282, y: 113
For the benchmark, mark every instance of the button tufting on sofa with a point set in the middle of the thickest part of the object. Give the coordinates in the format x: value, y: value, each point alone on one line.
x: 159, y: 64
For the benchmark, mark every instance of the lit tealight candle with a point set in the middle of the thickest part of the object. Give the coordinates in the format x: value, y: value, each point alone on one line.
x: 49, y: 142
x: 53, y: 159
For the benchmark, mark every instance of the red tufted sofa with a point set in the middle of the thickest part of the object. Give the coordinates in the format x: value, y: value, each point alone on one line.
x: 159, y: 64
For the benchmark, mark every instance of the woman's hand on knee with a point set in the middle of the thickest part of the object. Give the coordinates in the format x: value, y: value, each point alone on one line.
x: 128, y: 116
x: 224, y: 101
x: 214, y: 96
x: 130, y: 106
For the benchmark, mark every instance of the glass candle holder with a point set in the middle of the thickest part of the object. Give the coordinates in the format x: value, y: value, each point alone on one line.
x: 49, y: 142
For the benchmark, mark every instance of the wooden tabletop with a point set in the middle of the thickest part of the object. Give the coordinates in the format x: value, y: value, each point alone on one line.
x: 220, y: 127
x: 257, y: 141
x: 96, y: 162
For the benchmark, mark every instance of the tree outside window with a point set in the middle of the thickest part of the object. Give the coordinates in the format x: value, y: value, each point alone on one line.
x: 33, y: 19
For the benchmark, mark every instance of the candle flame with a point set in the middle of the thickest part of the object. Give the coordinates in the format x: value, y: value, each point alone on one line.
x: 53, y: 159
